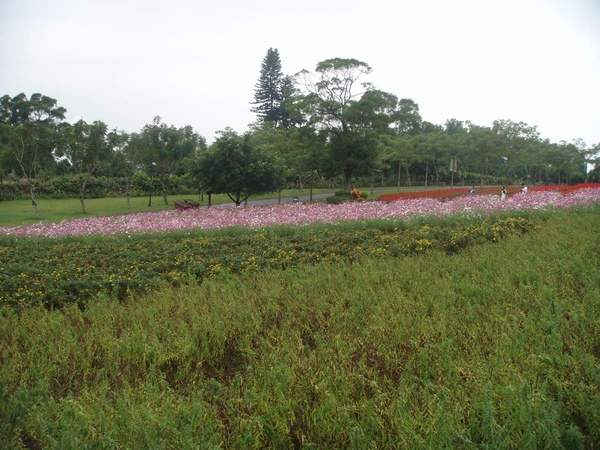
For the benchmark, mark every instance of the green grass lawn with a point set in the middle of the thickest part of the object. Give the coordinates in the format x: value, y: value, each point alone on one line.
x: 20, y: 212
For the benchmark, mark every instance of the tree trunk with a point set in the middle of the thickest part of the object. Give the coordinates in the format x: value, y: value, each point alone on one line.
x: 128, y: 189
x: 82, y: 196
x: 34, y: 200
x: 165, y: 193
x: 372, y: 182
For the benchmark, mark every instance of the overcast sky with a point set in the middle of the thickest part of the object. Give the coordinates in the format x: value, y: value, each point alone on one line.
x: 197, y: 62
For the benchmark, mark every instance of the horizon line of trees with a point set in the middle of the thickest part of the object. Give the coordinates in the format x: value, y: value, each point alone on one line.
x: 323, y: 125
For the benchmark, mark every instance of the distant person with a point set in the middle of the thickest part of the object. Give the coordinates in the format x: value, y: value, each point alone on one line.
x: 524, y: 188
x: 472, y: 191
x: 503, y: 193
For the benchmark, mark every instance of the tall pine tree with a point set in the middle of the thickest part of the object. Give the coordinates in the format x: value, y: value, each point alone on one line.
x: 268, y: 92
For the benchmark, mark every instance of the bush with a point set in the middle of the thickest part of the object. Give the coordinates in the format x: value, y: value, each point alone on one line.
x: 337, y: 199
x: 66, y: 186
x: 59, y: 272
x: 495, y: 348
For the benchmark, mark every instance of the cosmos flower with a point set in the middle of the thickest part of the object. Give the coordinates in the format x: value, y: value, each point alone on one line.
x: 302, y: 214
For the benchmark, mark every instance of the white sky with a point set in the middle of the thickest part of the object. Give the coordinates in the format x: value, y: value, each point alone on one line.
x: 197, y: 62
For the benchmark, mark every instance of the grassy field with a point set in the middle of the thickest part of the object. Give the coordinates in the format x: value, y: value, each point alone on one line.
x: 20, y: 212
x: 495, y: 347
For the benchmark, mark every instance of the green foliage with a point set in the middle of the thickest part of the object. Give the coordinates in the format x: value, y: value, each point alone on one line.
x: 271, y: 91
x: 337, y: 199
x: 56, y: 273
x: 236, y: 166
x: 352, y: 120
x: 495, y: 347
x: 67, y: 186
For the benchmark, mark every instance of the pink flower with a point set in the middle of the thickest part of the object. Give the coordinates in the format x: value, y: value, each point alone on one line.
x: 301, y: 214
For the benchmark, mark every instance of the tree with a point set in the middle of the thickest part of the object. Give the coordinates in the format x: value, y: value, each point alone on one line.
x: 516, y: 141
x: 351, y: 119
x: 28, y: 129
x: 290, y: 116
x: 84, y: 146
x: 592, y: 160
x: 571, y: 161
x: 431, y: 149
x: 132, y: 154
x: 299, y: 150
x: 456, y: 144
x: 484, y: 149
x: 407, y: 118
x: 271, y: 91
x: 116, y: 164
x: 398, y: 150
x: 164, y: 147
x: 234, y: 166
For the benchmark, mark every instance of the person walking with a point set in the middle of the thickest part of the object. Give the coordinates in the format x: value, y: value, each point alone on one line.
x: 503, y: 194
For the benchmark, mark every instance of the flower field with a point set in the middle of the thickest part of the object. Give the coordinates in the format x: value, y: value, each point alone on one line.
x: 73, y: 261
x: 463, y: 323
x: 447, y: 194
x: 490, y: 347
x: 301, y: 214
x: 59, y: 272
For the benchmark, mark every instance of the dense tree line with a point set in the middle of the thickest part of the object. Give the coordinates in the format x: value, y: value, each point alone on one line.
x: 328, y: 127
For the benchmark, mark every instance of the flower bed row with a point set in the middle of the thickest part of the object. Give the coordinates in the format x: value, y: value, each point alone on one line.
x: 300, y: 214
x: 456, y: 192
x: 59, y: 272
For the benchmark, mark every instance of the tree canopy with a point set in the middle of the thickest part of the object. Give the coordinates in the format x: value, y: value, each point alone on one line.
x: 330, y: 126
x: 273, y: 92
x: 234, y: 166
x: 353, y: 114
x: 28, y: 132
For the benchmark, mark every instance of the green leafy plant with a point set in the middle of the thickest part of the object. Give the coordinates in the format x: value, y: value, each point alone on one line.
x: 493, y: 346
x: 74, y: 270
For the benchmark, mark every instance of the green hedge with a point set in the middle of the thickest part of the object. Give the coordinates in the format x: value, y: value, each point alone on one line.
x: 97, y: 187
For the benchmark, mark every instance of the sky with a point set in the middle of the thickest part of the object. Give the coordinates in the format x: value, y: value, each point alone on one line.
x: 197, y: 62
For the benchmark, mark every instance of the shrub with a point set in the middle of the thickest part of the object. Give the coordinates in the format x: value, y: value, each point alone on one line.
x: 337, y: 199
x: 59, y: 272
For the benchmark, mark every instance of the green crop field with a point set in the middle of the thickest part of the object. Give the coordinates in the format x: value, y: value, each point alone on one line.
x: 493, y: 343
